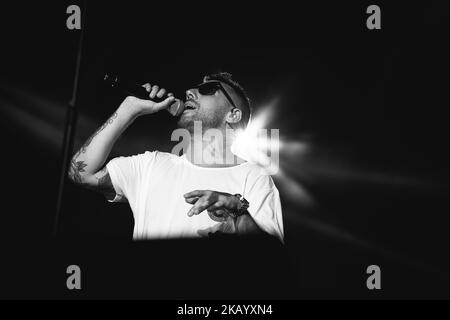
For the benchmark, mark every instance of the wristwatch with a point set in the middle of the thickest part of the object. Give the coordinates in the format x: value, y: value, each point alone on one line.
x: 242, y: 208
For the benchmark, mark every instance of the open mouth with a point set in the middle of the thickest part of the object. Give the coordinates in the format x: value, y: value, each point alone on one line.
x: 189, y: 105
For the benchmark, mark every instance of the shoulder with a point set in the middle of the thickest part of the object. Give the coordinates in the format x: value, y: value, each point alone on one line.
x: 258, y: 175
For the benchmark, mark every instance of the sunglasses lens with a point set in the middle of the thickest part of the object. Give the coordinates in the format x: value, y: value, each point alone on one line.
x: 208, y: 88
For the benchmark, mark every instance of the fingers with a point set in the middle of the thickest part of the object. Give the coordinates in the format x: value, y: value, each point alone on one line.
x: 217, y: 215
x: 191, y: 200
x: 195, y: 193
x: 147, y: 87
x: 161, y: 93
x: 219, y: 204
x: 201, y: 205
x: 164, y: 104
x: 155, y: 91
x: 205, y: 199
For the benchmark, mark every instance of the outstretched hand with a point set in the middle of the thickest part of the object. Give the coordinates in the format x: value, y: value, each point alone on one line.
x: 214, y: 202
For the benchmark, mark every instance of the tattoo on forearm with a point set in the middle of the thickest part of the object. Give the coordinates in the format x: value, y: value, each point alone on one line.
x: 76, y: 167
x: 88, y: 141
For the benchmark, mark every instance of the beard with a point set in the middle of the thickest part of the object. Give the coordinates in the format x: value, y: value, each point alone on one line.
x: 187, y: 119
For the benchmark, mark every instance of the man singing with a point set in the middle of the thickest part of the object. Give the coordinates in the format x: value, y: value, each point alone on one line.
x: 174, y: 196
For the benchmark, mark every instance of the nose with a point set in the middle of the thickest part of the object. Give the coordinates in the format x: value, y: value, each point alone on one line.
x: 191, y: 94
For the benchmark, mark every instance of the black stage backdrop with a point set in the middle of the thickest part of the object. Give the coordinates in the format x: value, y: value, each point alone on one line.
x: 371, y: 187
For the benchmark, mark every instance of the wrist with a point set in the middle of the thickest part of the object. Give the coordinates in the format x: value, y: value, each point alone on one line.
x: 238, y: 205
x: 233, y: 203
x: 130, y: 109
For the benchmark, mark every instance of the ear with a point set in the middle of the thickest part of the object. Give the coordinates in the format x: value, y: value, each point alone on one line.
x: 234, y: 116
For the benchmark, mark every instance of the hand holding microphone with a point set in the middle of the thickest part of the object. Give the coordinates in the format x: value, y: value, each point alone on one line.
x: 158, y: 99
x: 147, y: 99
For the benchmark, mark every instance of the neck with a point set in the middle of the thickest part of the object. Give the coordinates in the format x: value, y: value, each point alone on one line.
x: 212, y: 149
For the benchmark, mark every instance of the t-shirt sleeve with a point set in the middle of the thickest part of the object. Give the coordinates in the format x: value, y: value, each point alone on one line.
x: 265, y: 206
x: 126, y: 174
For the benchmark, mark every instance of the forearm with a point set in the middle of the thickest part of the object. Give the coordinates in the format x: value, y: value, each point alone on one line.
x: 94, y: 152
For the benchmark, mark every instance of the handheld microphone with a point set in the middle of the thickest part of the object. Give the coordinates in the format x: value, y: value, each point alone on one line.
x: 112, y: 80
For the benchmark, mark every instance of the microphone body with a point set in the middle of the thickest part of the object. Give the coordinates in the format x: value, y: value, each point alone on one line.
x: 175, y: 109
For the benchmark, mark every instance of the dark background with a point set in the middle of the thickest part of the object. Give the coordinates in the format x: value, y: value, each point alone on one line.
x: 369, y: 104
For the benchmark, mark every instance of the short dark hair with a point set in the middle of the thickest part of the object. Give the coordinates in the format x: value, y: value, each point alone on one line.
x: 227, y: 78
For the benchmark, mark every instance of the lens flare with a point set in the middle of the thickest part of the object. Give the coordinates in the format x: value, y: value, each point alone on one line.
x: 257, y: 143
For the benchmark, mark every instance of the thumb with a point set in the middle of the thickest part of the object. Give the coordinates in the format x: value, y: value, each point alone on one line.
x: 164, y: 104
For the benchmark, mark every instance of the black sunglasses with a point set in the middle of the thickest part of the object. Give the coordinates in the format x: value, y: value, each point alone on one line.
x: 209, y: 88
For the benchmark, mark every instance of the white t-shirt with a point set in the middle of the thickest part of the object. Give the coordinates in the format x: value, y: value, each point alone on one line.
x: 154, y: 184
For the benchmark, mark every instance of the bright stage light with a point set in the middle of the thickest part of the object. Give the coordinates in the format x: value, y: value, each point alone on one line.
x: 257, y: 143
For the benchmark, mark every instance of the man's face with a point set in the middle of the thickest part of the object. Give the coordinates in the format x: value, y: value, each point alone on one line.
x: 211, y: 110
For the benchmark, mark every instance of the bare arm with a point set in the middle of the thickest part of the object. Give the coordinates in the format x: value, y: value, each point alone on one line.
x: 86, y: 165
